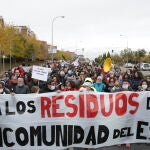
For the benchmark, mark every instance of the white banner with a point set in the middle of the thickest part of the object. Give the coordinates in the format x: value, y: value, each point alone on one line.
x: 73, y: 119
x: 40, y: 73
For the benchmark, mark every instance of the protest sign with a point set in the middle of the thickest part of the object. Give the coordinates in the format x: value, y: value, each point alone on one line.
x: 40, y: 73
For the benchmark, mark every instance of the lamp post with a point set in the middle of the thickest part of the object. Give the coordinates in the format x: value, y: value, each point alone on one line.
x: 10, y: 56
x: 52, y: 34
x: 126, y: 45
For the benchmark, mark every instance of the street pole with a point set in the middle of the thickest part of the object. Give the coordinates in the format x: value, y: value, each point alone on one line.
x: 127, y: 50
x: 3, y: 62
x: 0, y: 58
x: 10, y: 57
x: 52, y: 59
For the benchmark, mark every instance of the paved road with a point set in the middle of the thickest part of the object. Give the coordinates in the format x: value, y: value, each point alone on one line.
x: 133, y: 147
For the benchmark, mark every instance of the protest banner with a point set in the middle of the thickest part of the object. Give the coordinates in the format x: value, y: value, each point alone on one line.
x: 73, y: 119
x: 40, y: 73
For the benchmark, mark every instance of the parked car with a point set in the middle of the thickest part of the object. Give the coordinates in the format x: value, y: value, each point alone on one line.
x: 128, y: 65
x: 144, y: 66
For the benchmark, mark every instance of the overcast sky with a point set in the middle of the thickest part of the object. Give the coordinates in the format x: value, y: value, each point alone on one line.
x: 95, y: 25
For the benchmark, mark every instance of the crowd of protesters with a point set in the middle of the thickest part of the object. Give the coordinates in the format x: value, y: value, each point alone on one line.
x: 70, y: 78
x: 85, y: 77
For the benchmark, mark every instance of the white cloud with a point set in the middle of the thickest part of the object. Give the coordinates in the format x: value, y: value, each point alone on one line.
x: 98, y: 23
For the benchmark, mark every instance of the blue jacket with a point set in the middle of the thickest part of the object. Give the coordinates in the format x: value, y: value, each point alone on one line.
x: 100, y: 87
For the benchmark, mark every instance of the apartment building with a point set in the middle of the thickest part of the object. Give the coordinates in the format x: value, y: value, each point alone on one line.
x: 25, y: 30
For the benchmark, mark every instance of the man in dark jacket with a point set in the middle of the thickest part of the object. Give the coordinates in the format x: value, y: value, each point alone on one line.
x: 21, y: 88
x: 12, y: 84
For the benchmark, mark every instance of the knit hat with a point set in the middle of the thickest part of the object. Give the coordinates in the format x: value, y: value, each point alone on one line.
x: 89, y: 84
x: 88, y: 80
x: 99, y: 77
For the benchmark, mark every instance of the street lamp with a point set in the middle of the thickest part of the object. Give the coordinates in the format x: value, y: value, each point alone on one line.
x: 127, y: 45
x: 10, y: 61
x: 52, y: 34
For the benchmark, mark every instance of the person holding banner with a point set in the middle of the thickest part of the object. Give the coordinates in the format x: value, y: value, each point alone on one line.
x: 21, y: 88
x: 144, y: 86
x: 117, y: 87
x: 87, y: 85
x: 3, y: 89
x: 50, y: 87
x: 80, y: 79
x: 110, y: 84
x: 70, y: 86
x: 126, y: 87
x: 99, y: 85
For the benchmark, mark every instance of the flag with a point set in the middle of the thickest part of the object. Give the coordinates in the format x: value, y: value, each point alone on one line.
x: 76, y: 62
